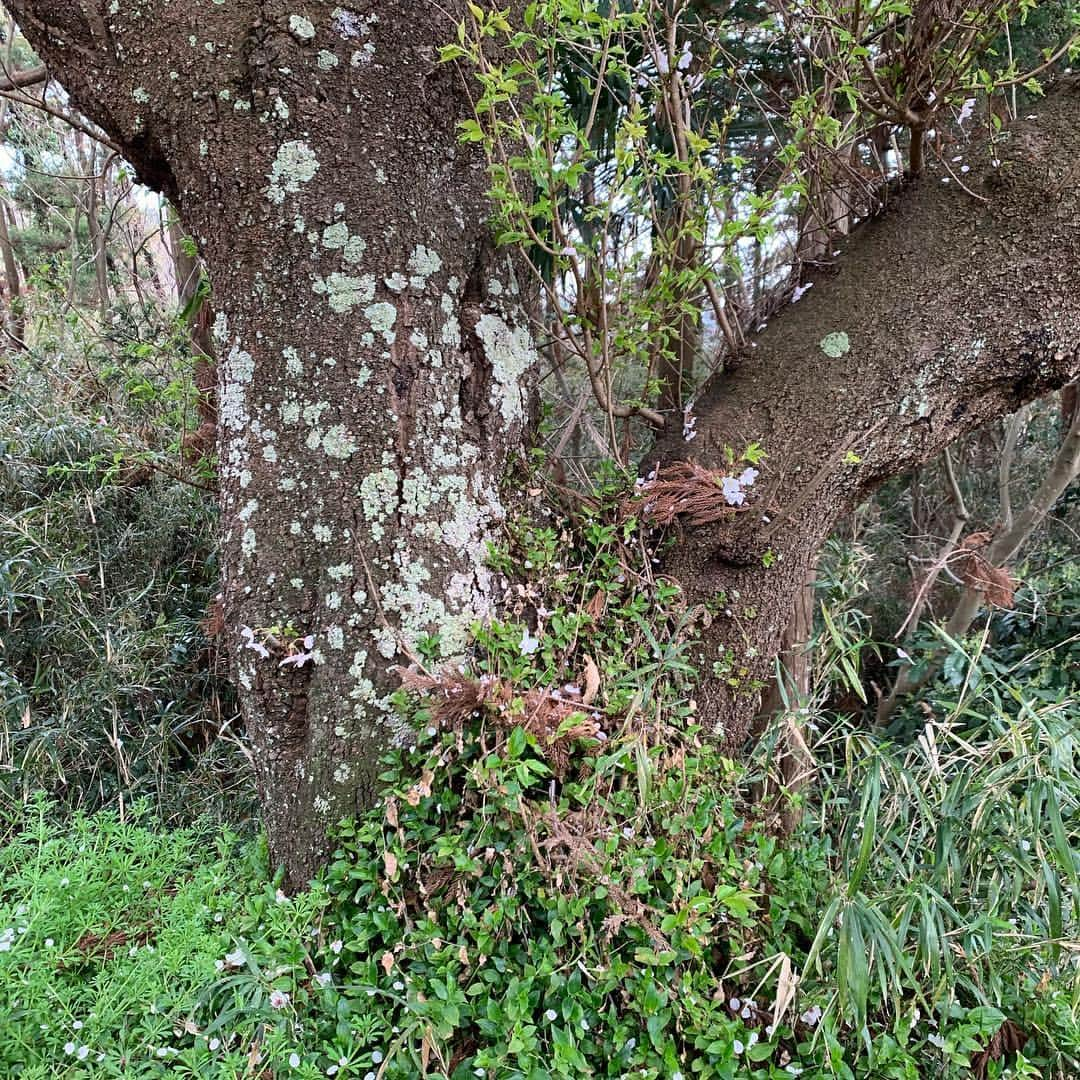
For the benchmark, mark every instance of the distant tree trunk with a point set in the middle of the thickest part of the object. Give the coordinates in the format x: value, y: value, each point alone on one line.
x: 1015, y: 532
x: 679, y: 251
x: 91, y: 203
x: 73, y: 255
x: 375, y: 366
x: 16, y: 321
x: 188, y: 273
x: 793, y: 765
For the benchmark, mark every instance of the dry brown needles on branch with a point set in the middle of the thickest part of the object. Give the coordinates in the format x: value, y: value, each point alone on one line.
x: 977, y: 572
x: 683, y: 490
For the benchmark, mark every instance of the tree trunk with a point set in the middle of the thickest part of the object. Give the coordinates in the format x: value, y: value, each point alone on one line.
x: 940, y: 315
x: 792, y: 764
x: 188, y: 275
x: 16, y: 319
x: 97, y: 235
x: 375, y: 366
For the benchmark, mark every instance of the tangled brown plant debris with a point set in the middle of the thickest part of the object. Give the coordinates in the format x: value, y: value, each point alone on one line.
x: 556, y: 718
x: 977, y: 572
x: 682, y: 489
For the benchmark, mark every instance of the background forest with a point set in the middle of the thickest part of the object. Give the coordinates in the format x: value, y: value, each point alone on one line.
x: 881, y: 882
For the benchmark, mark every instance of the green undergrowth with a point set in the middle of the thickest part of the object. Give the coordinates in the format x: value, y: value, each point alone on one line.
x: 110, y: 689
x: 487, y: 919
x: 565, y: 878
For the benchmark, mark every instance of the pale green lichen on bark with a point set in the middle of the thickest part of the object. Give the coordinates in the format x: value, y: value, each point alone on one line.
x: 423, y: 263
x: 295, y: 164
x: 301, y: 27
x: 510, y: 352
x: 336, y: 235
x: 382, y: 317
x: 836, y: 344
x: 344, y: 292
x: 338, y: 443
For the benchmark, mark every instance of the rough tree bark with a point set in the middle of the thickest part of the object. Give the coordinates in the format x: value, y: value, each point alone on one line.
x: 376, y: 369
x: 953, y: 310
x: 375, y: 366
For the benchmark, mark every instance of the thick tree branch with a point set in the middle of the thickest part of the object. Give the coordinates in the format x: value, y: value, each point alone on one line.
x: 955, y: 312
x: 944, y: 313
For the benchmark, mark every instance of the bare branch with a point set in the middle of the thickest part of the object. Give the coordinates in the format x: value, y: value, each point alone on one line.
x: 16, y: 80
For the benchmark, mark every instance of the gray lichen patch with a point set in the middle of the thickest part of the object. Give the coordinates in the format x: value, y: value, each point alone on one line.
x: 382, y: 317
x: 510, y: 352
x: 423, y: 263
x: 338, y: 443
x: 336, y: 235
x: 835, y: 344
x: 301, y: 27
x: 378, y: 499
x: 345, y: 292
x: 294, y: 164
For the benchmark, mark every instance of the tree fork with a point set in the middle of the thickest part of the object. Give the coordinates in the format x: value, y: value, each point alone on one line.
x: 314, y: 158
x: 940, y: 315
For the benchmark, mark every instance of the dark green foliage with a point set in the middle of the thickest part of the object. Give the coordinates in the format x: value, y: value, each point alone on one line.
x: 630, y: 921
x: 108, y: 683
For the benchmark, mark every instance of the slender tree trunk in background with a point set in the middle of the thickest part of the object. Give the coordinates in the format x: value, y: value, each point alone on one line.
x: 794, y: 764
x: 97, y: 235
x: 827, y: 216
x: 73, y: 274
x: 16, y: 321
x: 925, y: 587
x: 375, y: 371
x: 187, y: 269
x: 1070, y: 405
x: 793, y: 654
x: 188, y: 274
x: 682, y: 253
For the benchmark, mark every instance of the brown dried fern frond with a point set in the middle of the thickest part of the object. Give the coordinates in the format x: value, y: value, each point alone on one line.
x: 682, y: 489
x: 556, y: 718
x: 454, y: 696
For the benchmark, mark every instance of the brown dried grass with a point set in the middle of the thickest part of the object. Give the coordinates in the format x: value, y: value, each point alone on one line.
x: 556, y: 718
x: 976, y: 572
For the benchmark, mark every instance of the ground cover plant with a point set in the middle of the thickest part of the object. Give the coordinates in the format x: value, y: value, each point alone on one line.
x: 566, y: 881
